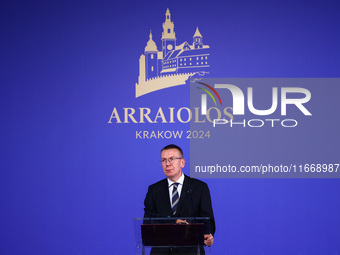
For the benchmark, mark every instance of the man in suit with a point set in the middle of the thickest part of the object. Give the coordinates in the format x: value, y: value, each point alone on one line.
x: 179, y: 196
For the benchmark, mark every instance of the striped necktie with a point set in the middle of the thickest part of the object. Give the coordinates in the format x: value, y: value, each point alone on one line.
x: 175, y: 197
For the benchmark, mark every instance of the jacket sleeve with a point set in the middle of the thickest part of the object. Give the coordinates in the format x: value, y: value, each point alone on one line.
x: 149, y: 207
x: 206, y: 209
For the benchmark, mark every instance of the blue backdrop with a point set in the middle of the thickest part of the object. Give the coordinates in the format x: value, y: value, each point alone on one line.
x: 71, y: 183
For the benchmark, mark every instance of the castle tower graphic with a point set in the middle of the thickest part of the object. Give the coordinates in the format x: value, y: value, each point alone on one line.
x: 173, y: 64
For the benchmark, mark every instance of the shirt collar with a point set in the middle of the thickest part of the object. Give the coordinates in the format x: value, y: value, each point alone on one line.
x: 180, y: 180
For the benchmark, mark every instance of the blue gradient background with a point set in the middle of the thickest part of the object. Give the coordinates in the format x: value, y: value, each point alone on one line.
x: 70, y: 183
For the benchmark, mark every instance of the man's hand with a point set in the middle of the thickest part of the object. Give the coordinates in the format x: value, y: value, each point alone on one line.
x: 179, y: 221
x: 208, y: 239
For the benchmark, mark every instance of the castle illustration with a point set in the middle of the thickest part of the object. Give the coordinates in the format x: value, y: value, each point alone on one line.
x: 173, y: 64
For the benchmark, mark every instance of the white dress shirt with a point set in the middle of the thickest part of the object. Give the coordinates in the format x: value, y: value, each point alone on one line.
x: 179, y: 188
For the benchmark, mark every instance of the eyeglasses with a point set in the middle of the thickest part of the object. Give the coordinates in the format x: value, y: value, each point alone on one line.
x: 171, y: 160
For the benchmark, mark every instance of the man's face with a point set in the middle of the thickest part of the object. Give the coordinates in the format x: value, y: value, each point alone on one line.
x: 172, y: 170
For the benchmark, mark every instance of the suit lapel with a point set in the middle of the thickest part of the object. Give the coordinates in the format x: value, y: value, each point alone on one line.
x: 165, y: 194
x: 184, y: 192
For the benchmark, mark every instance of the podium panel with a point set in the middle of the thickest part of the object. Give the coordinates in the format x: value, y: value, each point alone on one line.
x: 173, y: 234
x: 166, y: 233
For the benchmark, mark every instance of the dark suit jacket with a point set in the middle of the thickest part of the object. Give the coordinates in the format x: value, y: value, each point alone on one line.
x: 194, y: 201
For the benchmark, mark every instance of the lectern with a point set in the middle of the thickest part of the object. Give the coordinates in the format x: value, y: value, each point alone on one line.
x: 164, y: 232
